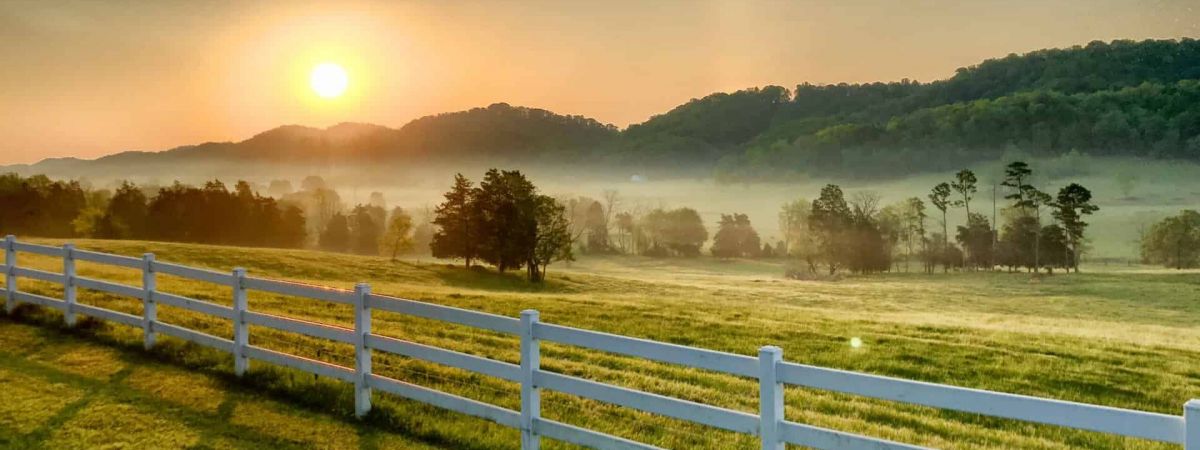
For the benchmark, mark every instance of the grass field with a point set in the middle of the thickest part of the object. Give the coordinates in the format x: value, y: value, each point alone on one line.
x: 1123, y: 338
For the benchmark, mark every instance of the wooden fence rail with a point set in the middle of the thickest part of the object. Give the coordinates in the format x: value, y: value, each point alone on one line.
x: 769, y: 368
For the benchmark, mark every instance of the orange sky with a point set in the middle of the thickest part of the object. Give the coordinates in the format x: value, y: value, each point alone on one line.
x: 87, y: 79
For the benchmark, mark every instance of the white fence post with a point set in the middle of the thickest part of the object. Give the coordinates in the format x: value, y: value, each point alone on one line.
x: 149, y: 310
x: 531, y: 397
x: 362, y: 360
x: 69, y: 284
x: 1191, y: 425
x: 10, y: 278
x: 241, y: 331
x: 770, y: 398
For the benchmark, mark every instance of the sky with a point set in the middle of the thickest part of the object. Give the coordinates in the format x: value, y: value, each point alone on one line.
x: 86, y: 79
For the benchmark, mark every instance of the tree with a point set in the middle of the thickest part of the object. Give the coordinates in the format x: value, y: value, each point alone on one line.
x: 458, y: 222
x: 1018, y: 236
x: 376, y: 199
x: 964, y: 184
x: 871, y: 235
x: 678, y: 232
x: 595, y: 227
x: 552, y: 241
x: 1026, y: 197
x: 976, y: 239
x: 1015, y: 175
x: 291, y: 230
x: 313, y: 183
x: 1073, y: 202
x: 940, y: 197
x: 830, y: 219
x: 1037, y: 200
x: 626, y: 226
x: 1174, y: 241
x: 1054, y: 248
x: 336, y: 237
x: 507, y: 202
x: 735, y: 237
x: 126, y: 215
x: 914, y: 219
x: 366, y: 230
x: 799, y: 240
x: 398, y: 235
x: 422, y: 234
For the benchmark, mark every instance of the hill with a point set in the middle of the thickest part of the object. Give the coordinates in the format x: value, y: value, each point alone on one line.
x: 497, y: 132
x: 1121, y: 98
x: 1112, y: 338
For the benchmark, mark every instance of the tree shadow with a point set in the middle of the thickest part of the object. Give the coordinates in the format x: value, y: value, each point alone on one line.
x: 486, y: 279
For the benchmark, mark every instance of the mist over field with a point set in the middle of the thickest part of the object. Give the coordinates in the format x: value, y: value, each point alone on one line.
x: 1132, y: 193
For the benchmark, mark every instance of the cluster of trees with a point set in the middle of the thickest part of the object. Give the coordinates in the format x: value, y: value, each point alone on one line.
x: 657, y: 232
x: 857, y: 234
x: 1024, y: 240
x: 39, y: 206
x: 504, y: 222
x: 1173, y: 241
x: 365, y: 229
x: 208, y: 214
x: 212, y: 214
x: 853, y: 234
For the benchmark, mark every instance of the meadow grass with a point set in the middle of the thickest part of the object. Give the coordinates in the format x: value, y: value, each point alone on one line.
x: 1124, y: 339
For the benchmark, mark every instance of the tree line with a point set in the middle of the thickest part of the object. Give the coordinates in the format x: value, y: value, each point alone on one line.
x: 504, y: 221
x: 210, y: 214
x: 856, y: 234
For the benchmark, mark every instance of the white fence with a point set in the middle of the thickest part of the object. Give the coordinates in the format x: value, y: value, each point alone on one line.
x: 772, y: 373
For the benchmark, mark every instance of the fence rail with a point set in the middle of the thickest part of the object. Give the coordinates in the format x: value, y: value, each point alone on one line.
x: 772, y: 373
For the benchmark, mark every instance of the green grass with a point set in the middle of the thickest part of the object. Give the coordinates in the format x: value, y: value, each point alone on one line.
x: 64, y: 392
x: 1125, y: 339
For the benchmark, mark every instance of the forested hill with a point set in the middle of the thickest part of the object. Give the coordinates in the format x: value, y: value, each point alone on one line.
x: 1118, y: 98
x: 1124, y: 97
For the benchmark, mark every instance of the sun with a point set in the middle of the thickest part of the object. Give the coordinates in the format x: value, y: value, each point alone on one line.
x: 329, y: 80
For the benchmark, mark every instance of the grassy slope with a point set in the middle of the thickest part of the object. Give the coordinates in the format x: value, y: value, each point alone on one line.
x: 1120, y: 339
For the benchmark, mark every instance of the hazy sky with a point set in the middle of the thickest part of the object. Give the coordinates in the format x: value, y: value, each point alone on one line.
x: 89, y: 78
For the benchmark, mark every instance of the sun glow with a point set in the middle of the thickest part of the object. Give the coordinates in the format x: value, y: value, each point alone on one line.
x: 329, y: 80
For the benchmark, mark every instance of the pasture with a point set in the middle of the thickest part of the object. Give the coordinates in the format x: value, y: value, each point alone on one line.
x: 1113, y: 337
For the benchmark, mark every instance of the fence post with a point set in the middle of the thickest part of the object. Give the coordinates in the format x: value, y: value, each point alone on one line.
x: 241, y: 332
x: 770, y: 398
x: 10, y: 278
x: 1191, y: 425
x: 149, y: 310
x: 69, y: 284
x: 531, y: 397
x: 362, y: 360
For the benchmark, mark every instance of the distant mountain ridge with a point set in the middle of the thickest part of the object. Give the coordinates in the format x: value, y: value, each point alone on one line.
x: 510, y: 130
x: 1121, y: 98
